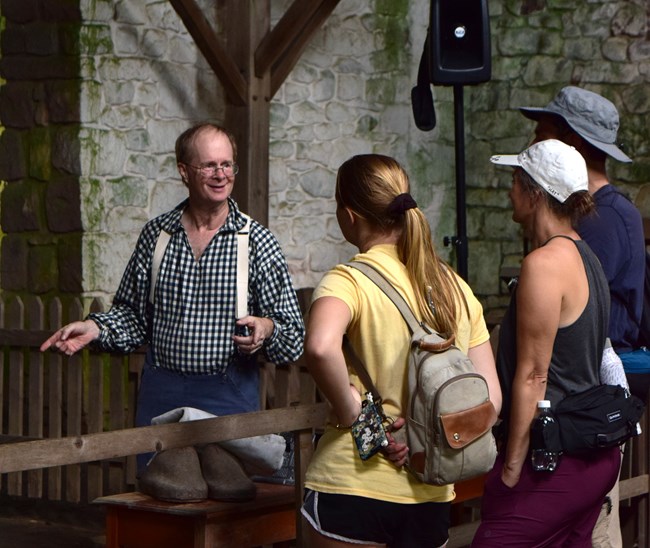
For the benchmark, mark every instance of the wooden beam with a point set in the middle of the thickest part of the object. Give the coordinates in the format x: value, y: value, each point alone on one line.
x: 286, y: 30
x: 291, y: 54
x: 634, y: 487
x: 31, y: 455
x: 215, y: 54
x: 250, y: 123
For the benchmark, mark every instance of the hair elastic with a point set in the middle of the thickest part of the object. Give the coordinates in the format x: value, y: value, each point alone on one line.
x: 402, y: 203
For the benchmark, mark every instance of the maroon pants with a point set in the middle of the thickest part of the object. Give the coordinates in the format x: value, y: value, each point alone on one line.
x: 547, y: 509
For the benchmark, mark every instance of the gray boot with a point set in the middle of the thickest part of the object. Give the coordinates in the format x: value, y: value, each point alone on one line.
x: 225, y: 475
x: 174, y: 475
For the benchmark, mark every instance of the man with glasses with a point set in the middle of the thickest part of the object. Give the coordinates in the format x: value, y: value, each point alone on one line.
x: 200, y: 354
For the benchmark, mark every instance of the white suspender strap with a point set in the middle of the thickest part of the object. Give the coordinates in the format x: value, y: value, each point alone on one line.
x: 242, y: 269
x: 242, y: 266
x: 158, y: 254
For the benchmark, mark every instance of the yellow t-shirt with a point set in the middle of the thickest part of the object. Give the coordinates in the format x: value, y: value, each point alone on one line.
x: 381, y: 340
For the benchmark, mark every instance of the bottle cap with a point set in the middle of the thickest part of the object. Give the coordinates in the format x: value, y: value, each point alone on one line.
x: 543, y: 404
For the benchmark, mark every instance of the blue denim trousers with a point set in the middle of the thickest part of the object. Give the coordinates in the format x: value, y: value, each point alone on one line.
x: 234, y: 391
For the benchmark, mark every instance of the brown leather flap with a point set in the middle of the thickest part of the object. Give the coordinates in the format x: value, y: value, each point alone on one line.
x: 437, y: 347
x: 464, y: 427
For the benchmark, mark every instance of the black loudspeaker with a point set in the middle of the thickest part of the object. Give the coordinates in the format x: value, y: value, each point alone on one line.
x: 459, y: 33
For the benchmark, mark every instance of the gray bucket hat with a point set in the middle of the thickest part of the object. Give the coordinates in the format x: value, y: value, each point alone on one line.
x: 590, y: 115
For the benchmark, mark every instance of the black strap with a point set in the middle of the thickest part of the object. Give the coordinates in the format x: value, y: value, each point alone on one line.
x: 424, y: 113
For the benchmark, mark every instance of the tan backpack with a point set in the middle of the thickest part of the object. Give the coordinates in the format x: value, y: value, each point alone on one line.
x: 450, y: 415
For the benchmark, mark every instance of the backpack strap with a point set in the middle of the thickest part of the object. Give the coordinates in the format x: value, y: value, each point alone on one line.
x: 383, y: 284
x: 379, y: 279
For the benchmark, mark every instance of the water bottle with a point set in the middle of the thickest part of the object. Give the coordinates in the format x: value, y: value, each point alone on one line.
x: 541, y: 458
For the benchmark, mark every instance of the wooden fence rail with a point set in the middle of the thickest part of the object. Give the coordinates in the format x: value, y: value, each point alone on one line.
x: 45, y: 396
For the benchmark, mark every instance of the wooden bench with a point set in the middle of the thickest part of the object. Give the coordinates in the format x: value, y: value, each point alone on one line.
x: 134, y: 519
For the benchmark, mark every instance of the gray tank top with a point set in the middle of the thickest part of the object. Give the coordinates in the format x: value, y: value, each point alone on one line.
x: 578, y: 348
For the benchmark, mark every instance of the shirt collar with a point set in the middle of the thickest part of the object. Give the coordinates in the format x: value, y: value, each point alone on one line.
x: 235, y: 220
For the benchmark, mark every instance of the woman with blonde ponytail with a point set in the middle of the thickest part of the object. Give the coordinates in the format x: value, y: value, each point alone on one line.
x: 377, y: 502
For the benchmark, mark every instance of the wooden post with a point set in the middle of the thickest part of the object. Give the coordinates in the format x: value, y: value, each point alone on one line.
x: 250, y: 122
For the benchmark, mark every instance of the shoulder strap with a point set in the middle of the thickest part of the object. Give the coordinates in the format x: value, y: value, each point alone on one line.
x: 444, y: 343
x: 242, y: 268
x: 158, y: 254
x: 402, y: 306
x: 383, y: 284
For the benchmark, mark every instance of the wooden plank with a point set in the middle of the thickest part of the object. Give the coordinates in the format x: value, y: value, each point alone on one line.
x: 20, y: 337
x: 55, y: 402
x: 634, y: 487
x: 108, y: 445
x: 94, y: 410
x: 216, y: 55
x: 136, y: 362
x: 74, y: 406
x: 36, y: 403
x: 117, y: 468
x: 16, y: 391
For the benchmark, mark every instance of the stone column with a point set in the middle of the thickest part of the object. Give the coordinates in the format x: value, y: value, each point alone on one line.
x: 40, y: 250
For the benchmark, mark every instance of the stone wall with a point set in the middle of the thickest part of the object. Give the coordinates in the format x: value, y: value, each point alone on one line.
x: 97, y: 91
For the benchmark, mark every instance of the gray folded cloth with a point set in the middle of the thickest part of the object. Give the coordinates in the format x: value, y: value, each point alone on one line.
x: 260, y: 455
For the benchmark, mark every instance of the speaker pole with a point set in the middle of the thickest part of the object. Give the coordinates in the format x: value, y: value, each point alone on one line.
x: 461, y: 218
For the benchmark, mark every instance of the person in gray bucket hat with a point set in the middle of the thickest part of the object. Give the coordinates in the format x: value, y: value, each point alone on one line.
x: 590, y: 123
x: 588, y: 114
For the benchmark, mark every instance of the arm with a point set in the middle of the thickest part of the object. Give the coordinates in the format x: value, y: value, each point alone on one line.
x: 328, y: 321
x: 483, y: 359
x: 124, y: 327
x: 275, y: 303
x: 539, y: 302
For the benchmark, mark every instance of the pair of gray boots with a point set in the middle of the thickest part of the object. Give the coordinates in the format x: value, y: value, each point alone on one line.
x: 191, y: 474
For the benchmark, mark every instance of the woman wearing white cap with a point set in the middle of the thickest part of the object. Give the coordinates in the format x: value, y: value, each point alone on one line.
x: 551, y: 344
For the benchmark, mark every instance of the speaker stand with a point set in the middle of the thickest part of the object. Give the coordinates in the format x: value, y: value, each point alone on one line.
x: 460, y: 240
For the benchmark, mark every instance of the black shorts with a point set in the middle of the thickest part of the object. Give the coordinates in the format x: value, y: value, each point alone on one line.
x: 361, y: 520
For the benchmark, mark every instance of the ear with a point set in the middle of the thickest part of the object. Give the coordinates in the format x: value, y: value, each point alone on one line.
x: 182, y: 170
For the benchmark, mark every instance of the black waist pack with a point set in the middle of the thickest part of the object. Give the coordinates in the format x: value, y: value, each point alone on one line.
x: 602, y: 416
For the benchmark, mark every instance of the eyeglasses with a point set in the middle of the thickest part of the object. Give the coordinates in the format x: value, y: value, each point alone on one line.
x: 210, y: 170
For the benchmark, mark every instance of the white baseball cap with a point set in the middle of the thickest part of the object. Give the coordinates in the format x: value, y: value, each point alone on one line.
x: 557, y: 167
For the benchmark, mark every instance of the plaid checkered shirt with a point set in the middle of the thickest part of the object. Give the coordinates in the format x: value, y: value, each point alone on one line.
x: 191, y: 324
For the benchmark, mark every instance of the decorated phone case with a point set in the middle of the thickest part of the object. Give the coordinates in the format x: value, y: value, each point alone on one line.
x: 368, y: 431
